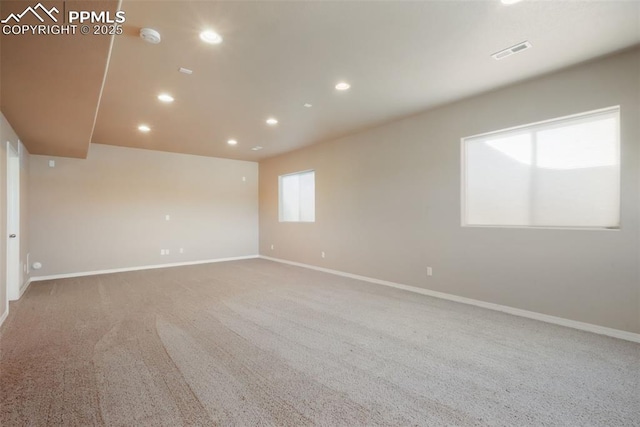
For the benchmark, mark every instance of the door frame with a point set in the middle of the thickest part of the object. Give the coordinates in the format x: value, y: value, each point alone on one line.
x: 13, y: 223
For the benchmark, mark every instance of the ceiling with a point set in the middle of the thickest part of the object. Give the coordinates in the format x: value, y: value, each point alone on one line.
x: 399, y: 57
x: 50, y: 84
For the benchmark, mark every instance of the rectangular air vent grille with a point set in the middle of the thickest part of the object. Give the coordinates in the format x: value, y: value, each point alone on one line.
x: 511, y: 50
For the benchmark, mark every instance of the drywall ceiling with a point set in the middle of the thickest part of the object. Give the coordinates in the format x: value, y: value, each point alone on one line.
x: 50, y: 84
x: 399, y: 57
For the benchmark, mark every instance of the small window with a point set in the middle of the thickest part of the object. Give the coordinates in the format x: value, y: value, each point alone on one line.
x: 559, y: 173
x: 297, y: 193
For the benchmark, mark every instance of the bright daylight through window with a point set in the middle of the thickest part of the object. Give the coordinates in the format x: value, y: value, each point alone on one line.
x: 297, y: 197
x: 559, y: 173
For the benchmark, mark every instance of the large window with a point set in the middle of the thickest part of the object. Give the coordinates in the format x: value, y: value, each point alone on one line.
x: 559, y: 173
x: 297, y: 194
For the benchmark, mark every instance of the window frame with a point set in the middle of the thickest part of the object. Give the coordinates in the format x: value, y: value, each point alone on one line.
x: 280, y: 199
x: 615, y: 109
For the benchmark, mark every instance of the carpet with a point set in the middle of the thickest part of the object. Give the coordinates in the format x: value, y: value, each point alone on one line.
x: 253, y: 343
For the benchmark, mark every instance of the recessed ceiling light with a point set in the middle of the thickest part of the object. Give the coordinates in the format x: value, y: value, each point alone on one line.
x: 343, y: 86
x: 144, y: 128
x: 510, y: 1
x: 232, y: 142
x: 307, y: 105
x: 210, y: 37
x: 165, y: 97
x: 271, y: 121
x: 256, y: 148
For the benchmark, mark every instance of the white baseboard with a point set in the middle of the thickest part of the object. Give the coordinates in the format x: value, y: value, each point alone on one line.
x: 596, y: 329
x: 24, y: 287
x: 143, y: 267
x: 4, y: 316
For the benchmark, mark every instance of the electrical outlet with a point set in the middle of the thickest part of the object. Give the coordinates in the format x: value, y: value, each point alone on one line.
x: 244, y: 179
x: 181, y: 250
x: 161, y: 251
x: 272, y: 247
x: 429, y: 271
x: 167, y: 217
x: 166, y: 251
x: 322, y: 253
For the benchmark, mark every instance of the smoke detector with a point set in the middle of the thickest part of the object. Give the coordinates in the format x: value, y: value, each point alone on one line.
x: 150, y: 35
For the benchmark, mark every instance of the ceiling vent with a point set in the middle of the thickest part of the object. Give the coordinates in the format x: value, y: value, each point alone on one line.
x: 511, y: 50
x: 150, y: 35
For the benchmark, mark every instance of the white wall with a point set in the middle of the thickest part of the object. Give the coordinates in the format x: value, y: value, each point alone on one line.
x: 388, y: 205
x: 108, y: 211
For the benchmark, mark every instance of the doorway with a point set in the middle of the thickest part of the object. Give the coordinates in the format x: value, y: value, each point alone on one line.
x: 13, y: 223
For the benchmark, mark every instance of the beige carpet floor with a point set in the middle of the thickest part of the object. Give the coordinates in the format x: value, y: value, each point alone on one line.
x: 253, y: 342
